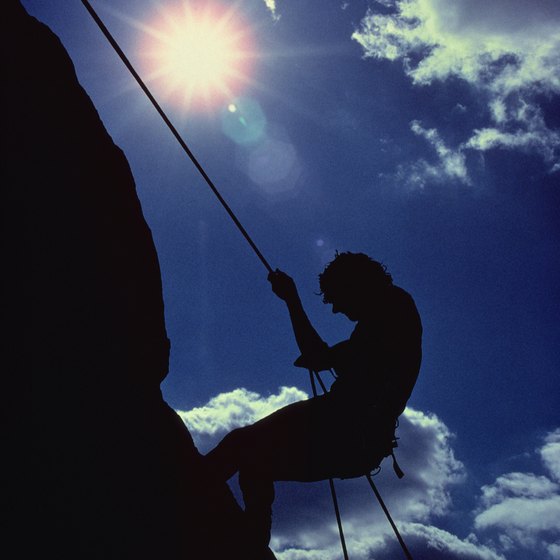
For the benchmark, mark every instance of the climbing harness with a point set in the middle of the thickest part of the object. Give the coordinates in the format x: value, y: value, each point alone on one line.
x: 315, y: 375
x: 256, y: 250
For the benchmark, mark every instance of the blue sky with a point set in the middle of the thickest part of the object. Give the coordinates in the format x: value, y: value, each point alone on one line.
x: 423, y: 132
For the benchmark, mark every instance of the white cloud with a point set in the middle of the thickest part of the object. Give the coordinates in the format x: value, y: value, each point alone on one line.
x: 506, y: 45
x: 508, y: 49
x: 237, y: 408
x: 550, y: 454
x: 533, y: 136
x: 521, y: 510
x: 451, y: 164
x: 524, y: 485
x: 554, y: 551
x: 430, y: 465
x: 523, y: 505
x: 271, y: 5
x: 426, y: 541
x: 423, y: 541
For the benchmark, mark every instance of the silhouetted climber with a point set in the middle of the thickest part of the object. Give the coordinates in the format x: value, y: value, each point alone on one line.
x: 348, y: 431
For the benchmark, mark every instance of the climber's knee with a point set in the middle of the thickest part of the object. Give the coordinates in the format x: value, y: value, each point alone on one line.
x: 257, y: 487
x: 226, y: 458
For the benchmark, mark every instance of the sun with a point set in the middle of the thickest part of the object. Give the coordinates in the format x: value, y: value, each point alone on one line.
x: 198, y: 54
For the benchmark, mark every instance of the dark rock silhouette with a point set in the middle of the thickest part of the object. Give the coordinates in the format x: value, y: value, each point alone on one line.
x: 99, y: 466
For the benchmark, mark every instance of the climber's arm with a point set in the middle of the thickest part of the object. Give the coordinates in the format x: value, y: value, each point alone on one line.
x: 312, y: 347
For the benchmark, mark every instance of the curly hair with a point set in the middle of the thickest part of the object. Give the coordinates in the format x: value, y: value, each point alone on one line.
x: 352, y: 271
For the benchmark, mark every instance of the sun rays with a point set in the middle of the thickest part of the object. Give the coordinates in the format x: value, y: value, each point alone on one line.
x: 197, y: 54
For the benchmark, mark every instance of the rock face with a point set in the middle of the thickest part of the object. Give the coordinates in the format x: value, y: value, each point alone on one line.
x: 101, y: 467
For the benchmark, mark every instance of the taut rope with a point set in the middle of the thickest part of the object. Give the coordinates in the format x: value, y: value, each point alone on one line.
x: 173, y: 130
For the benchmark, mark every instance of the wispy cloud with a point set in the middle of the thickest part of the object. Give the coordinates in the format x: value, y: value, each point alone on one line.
x: 534, y: 136
x: 506, y: 45
x: 450, y: 164
x: 271, y: 5
x: 507, y: 49
x: 521, y: 510
x: 550, y: 454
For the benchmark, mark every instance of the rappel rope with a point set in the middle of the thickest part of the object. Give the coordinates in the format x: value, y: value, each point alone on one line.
x: 173, y: 130
x: 388, y: 515
x: 247, y: 237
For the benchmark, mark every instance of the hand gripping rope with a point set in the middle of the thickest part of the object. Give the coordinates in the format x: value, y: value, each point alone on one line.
x: 247, y: 237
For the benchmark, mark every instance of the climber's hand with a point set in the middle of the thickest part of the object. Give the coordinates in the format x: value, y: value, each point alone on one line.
x: 283, y: 286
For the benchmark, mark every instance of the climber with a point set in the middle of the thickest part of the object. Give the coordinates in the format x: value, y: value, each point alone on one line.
x: 349, y: 430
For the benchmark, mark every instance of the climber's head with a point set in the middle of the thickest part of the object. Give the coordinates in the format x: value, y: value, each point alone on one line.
x: 352, y: 283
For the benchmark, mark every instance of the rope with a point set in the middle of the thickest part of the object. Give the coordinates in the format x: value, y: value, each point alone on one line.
x: 173, y: 130
x: 312, y: 375
x: 338, y: 519
x: 388, y: 515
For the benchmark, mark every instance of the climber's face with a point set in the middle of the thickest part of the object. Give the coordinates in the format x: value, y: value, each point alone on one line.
x: 355, y: 303
x: 347, y: 305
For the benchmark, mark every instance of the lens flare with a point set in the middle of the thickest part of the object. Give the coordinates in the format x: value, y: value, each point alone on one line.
x: 244, y: 121
x: 198, y: 54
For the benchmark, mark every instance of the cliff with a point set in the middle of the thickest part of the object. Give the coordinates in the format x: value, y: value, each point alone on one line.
x: 99, y: 466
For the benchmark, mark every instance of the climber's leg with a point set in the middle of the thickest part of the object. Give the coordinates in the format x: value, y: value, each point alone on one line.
x: 258, y: 495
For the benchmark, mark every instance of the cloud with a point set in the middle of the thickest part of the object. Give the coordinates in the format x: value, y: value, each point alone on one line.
x: 506, y: 45
x: 522, y: 505
x: 521, y: 510
x: 508, y: 49
x: 533, y: 136
x: 423, y: 541
x: 428, y: 459
x: 237, y: 408
x: 450, y: 165
x: 550, y: 454
x: 271, y: 5
x: 431, y: 542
